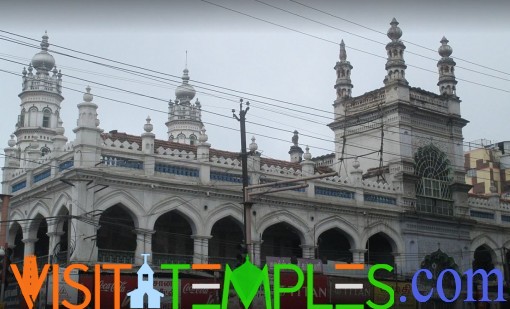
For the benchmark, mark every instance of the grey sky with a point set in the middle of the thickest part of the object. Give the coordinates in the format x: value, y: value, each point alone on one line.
x: 237, y: 52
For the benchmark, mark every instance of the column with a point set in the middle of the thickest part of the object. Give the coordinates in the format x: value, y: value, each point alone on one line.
x: 143, y: 245
x: 200, y: 248
x: 358, y: 255
x: 257, y: 252
x: 54, y: 240
x: 308, y: 251
x: 29, y: 245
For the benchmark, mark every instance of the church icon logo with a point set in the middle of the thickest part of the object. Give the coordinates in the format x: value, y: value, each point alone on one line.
x: 145, y: 287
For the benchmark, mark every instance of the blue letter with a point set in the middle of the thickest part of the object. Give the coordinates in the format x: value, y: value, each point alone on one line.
x: 419, y: 297
x: 439, y: 285
x: 485, y: 284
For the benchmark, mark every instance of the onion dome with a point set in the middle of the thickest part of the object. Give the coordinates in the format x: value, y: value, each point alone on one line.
x: 148, y: 127
x: 202, y: 138
x: 445, y: 50
x: 43, y: 60
x: 185, y: 92
x: 12, y: 141
x: 394, y: 33
x: 88, y: 97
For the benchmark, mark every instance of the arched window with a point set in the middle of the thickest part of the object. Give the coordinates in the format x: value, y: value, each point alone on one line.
x: 433, y: 189
x: 32, y: 116
x: 171, y: 138
x: 46, y: 118
x: 192, y: 139
x: 181, y: 138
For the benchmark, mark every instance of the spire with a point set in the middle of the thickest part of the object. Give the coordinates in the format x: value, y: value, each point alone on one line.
x: 446, y: 66
x: 295, y: 151
x: 43, y: 61
x: 343, y: 69
x: 395, y: 65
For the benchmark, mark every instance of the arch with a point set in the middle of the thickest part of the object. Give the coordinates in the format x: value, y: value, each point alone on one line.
x: 486, y: 240
x: 394, y: 238
x: 188, y: 210
x: 226, y: 237
x: 293, y: 220
x: 46, y: 123
x: 220, y: 212
x: 61, y: 202
x: 32, y: 116
x: 116, y: 231
x: 172, y: 238
x: 15, y: 237
x: 124, y: 198
x: 336, y: 222
x: 40, y: 208
x: 192, y: 139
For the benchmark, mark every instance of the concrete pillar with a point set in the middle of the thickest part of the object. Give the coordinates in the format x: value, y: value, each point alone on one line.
x: 143, y: 245
x: 358, y: 255
x: 257, y: 252
x: 308, y: 251
x: 54, y: 240
x: 29, y: 245
x: 200, y: 248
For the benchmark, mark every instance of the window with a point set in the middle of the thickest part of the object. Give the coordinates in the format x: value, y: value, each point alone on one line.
x: 32, y: 116
x: 192, y: 139
x: 21, y: 120
x: 433, y: 189
x: 46, y: 118
x: 471, y: 172
x: 181, y: 138
x: 45, y: 151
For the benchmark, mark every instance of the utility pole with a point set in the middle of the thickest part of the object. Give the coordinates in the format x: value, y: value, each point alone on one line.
x: 244, y: 164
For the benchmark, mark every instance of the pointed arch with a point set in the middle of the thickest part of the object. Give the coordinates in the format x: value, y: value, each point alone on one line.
x: 41, y: 208
x: 486, y: 240
x: 394, y: 238
x: 222, y: 211
x: 335, y: 222
x: 128, y: 202
x: 293, y: 220
x: 183, y: 207
x: 61, y: 202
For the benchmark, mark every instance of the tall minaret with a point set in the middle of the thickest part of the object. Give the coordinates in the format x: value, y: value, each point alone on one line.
x: 446, y: 67
x: 184, y: 118
x: 343, y: 69
x: 41, y: 97
x: 395, y: 66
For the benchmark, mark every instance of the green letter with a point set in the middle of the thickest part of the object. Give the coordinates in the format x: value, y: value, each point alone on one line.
x: 278, y: 290
x: 175, y: 281
x: 310, y: 290
x: 381, y: 285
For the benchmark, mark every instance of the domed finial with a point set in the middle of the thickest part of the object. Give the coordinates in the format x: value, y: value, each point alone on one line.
x: 295, y: 138
x: 202, y: 138
x: 12, y: 141
x: 24, y: 71
x: 356, y: 164
x: 198, y: 104
x: 445, y: 50
x: 185, y: 92
x: 60, y: 127
x: 88, y: 97
x: 307, y: 155
x: 185, y: 76
x: 343, y: 53
x: 253, y: 145
x: 394, y: 33
x: 148, y: 127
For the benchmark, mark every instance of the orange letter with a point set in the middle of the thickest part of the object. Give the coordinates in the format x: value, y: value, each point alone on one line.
x: 97, y: 286
x: 55, y: 286
x: 116, y: 281
x: 31, y: 283
x: 76, y: 285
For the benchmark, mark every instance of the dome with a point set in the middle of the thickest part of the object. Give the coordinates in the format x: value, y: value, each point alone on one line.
x: 394, y: 33
x: 185, y: 91
x: 43, y: 60
x: 445, y: 50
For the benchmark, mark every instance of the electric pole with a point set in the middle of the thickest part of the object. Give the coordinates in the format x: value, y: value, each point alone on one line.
x: 244, y: 164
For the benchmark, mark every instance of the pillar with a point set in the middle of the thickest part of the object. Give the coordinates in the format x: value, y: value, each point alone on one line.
x: 257, y: 252
x: 308, y: 251
x: 143, y: 245
x: 54, y: 240
x: 200, y: 248
x: 358, y: 255
x: 29, y: 245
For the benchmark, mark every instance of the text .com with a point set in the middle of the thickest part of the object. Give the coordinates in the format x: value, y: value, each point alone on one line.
x: 251, y: 285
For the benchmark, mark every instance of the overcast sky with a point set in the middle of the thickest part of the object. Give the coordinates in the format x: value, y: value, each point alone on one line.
x: 241, y: 53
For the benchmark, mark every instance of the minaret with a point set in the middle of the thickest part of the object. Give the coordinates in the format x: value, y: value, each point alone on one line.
x: 395, y: 66
x: 446, y: 67
x: 184, y: 118
x: 343, y: 69
x: 296, y: 153
x: 41, y: 97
